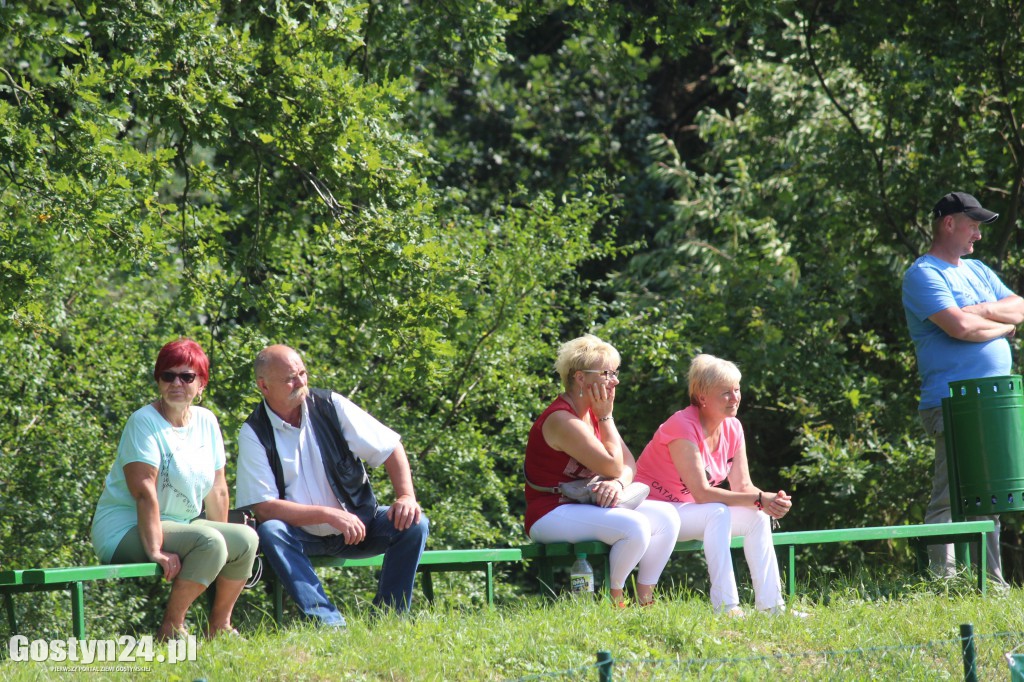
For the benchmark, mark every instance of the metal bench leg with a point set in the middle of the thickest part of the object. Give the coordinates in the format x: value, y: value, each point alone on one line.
x: 921, y: 556
x: 278, y: 599
x: 78, y: 609
x: 489, y: 568
x: 428, y: 586
x: 545, y: 574
x: 962, y: 554
x: 791, y: 577
x: 982, y: 564
x: 12, y: 619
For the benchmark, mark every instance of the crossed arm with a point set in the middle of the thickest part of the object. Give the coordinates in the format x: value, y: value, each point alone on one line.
x: 982, y: 321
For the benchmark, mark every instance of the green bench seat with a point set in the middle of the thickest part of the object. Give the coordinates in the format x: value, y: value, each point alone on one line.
x: 433, y: 561
x: 72, y: 579
x: 547, y: 557
x: 552, y: 555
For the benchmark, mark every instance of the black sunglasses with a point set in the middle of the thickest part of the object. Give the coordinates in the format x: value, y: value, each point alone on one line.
x: 169, y: 377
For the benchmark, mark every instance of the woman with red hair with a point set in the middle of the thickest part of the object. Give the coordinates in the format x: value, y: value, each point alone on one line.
x: 170, y: 464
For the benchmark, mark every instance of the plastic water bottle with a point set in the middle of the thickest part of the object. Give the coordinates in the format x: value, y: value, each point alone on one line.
x: 581, y: 575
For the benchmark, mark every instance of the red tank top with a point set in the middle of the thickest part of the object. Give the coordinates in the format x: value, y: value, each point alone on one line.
x: 548, y: 467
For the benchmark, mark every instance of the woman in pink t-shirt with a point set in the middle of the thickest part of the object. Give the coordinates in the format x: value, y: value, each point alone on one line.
x: 575, y: 437
x: 694, y: 452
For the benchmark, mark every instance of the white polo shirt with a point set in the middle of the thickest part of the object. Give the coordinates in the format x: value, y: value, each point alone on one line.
x: 305, y: 480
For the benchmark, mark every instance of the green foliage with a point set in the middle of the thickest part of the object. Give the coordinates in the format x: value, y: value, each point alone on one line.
x: 426, y: 198
x: 785, y: 253
x: 228, y: 175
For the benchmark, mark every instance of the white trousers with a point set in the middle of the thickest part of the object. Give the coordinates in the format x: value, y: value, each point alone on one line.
x: 645, y: 536
x: 715, y: 524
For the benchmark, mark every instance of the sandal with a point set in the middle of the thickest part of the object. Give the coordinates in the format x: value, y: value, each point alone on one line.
x: 227, y: 632
x: 176, y: 633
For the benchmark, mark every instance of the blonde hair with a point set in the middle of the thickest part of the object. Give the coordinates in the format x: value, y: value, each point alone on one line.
x: 582, y: 353
x: 706, y: 372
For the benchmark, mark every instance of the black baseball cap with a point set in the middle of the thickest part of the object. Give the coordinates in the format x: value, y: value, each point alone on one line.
x: 961, y: 202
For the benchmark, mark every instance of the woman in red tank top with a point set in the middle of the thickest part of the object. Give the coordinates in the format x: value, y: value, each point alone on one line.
x: 576, y: 437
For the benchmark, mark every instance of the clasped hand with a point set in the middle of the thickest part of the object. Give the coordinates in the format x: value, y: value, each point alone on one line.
x: 777, y: 505
x: 607, y: 493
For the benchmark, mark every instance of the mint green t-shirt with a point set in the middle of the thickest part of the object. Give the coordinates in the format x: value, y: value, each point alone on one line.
x: 187, y: 459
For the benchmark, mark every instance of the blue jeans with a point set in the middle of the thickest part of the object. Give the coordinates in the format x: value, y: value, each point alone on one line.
x: 288, y: 549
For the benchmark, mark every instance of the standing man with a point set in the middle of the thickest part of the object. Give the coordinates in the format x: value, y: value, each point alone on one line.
x: 301, y: 469
x: 961, y: 316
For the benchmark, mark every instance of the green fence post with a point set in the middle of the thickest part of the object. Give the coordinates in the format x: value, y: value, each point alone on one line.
x: 604, y: 666
x: 967, y: 646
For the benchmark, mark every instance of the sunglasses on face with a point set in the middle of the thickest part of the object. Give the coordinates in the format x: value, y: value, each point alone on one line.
x: 169, y: 377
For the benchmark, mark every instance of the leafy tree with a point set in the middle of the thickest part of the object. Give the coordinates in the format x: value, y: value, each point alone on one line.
x: 425, y: 198
x: 227, y: 174
x: 793, y: 229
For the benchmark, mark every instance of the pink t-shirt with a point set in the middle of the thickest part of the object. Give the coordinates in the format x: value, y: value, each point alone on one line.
x: 655, y: 466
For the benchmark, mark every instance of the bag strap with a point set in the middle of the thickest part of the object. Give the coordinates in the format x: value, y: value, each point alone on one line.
x: 539, y: 488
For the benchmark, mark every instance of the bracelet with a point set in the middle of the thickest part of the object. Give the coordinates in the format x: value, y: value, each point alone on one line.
x: 621, y: 484
x: 757, y: 502
x: 606, y: 419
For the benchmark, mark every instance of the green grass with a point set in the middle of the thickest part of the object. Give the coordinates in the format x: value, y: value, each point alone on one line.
x: 857, y: 630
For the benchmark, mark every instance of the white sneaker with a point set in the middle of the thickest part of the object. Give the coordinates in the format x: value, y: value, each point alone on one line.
x: 781, y: 610
x: 998, y: 588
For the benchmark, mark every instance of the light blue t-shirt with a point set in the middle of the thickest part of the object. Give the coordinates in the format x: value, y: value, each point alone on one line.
x: 187, y: 459
x: 930, y: 285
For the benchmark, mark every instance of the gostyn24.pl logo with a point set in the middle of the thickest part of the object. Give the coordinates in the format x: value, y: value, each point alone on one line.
x: 124, y: 649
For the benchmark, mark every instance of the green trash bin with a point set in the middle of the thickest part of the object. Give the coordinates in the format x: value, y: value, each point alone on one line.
x: 984, y: 430
x: 1016, y: 667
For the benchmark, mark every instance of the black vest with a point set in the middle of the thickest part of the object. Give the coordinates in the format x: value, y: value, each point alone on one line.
x: 345, y: 471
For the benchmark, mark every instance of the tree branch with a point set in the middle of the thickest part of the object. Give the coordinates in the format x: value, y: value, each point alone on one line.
x: 1016, y: 145
x: 886, y: 211
x: 15, y: 87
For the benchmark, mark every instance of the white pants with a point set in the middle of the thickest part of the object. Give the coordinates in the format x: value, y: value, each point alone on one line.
x: 644, y: 536
x: 716, y: 524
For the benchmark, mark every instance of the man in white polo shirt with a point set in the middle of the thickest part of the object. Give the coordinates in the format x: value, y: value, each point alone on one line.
x: 301, y: 469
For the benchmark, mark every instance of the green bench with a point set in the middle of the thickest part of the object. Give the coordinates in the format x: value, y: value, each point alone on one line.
x: 72, y: 579
x: 433, y: 561
x: 12, y: 582
x: 548, y: 557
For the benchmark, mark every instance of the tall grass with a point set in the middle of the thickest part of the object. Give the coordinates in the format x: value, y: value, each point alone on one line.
x: 859, y: 628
